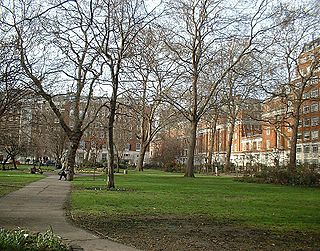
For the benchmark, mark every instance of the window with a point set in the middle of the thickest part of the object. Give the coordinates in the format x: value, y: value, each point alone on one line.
x: 315, y: 121
x: 307, y: 122
x: 314, y: 80
x: 299, y: 150
x: 299, y: 135
x: 315, y: 149
x: 268, y: 144
x: 314, y: 134
x: 314, y: 107
x: 82, y: 144
x: 104, y: 156
x: 306, y: 95
x: 127, y: 147
x: 268, y: 131
x: 259, y: 146
x: 138, y: 147
x: 306, y: 135
x: 306, y: 109
x: 306, y: 149
x: 314, y: 93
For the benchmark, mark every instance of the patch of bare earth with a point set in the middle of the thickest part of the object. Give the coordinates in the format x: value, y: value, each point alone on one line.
x: 170, y: 233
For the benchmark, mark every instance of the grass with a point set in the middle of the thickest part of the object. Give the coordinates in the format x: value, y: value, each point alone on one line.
x: 154, y: 193
x: 12, y: 180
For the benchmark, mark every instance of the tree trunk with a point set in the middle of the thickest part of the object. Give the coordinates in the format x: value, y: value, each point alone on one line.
x: 110, y: 169
x: 73, y: 147
x: 143, y: 132
x: 141, y: 157
x: 293, y: 145
x: 14, y: 162
x: 294, y: 137
x: 191, y: 149
x: 71, y: 159
x: 227, y: 164
x: 211, y: 148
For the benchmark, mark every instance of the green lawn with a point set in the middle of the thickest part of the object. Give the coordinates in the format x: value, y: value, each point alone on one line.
x: 153, y: 193
x: 12, y: 180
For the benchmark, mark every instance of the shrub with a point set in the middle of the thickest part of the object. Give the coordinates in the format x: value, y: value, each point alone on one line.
x: 303, y: 176
x: 22, y: 240
x: 174, y: 167
x: 91, y: 164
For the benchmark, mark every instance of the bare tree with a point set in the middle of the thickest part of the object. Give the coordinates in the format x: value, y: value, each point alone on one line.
x: 116, y: 32
x: 54, y: 141
x: 167, y: 150
x: 237, y: 90
x: 151, y: 72
x: 55, y: 54
x: 294, y: 68
x: 197, y: 41
x: 11, y: 89
x: 10, y: 141
x: 123, y: 133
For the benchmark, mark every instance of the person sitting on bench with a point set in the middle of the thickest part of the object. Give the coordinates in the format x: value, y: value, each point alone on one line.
x: 35, y: 170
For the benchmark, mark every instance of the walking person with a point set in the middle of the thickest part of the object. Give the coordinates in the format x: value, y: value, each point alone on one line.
x: 63, y: 171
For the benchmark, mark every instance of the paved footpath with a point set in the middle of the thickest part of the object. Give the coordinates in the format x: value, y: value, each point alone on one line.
x: 40, y: 205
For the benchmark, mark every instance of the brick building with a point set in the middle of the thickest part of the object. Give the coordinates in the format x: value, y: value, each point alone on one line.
x: 263, y: 129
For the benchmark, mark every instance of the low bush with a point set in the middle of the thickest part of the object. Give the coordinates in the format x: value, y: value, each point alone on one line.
x: 302, y: 176
x: 174, y: 168
x: 22, y: 240
x: 91, y: 164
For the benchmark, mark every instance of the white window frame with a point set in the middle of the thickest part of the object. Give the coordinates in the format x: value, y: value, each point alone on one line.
x: 314, y: 121
x: 306, y: 109
x: 307, y: 122
x: 127, y: 147
x: 306, y: 149
x: 315, y: 149
x: 268, y: 145
x: 314, y: 134
x: 314, y: 93
x: 314, y: 107
x: 268, y: 131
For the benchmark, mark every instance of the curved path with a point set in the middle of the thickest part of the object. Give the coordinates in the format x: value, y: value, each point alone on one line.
x: 40, y: 205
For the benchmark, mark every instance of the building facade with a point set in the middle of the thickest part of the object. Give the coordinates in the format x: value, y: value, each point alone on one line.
x: 263, y: 131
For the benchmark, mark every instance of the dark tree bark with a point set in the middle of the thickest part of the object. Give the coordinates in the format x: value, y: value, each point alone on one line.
x: 191, y: 148
x: 229, y: 146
